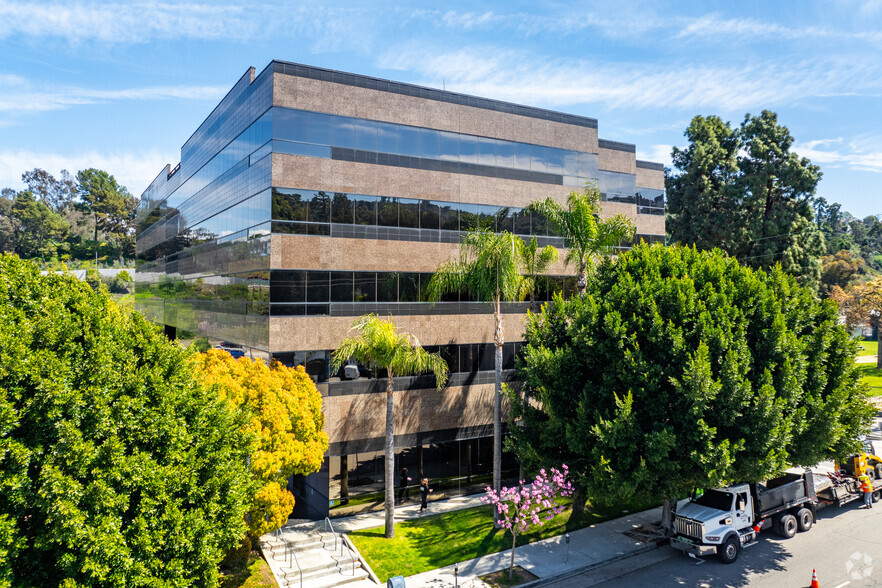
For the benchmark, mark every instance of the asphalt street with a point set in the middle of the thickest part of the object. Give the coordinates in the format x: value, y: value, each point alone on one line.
x: 844, y: 546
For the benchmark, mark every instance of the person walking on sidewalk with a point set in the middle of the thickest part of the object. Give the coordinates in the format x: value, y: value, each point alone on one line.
x: 424, y: 494
x: 867, y: 489
x: 403, y: 481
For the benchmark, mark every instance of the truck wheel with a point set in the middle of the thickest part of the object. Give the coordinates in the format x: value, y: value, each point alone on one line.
x: 729, y: 550
x: 877, y: 494
x: 788, y: 526
x: 878, y: 469
x: 804, y: 519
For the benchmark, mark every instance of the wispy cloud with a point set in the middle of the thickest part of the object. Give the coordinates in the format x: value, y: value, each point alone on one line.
x: 656, y: 153
x: 522, y: 77
x: 317, y: 25
x: 122, y: 23
x: 135, y: 170
x: 861, y: 153
x: 562, y: 19
x: 21, y: 96
x: 714, y: 26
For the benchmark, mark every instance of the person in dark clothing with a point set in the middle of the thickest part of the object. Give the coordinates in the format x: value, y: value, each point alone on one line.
x: 424, y: 494
x: 403, y: 482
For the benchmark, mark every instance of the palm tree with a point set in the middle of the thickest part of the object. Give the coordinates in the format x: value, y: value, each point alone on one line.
x: 586, y: 236
x: 489, y: 269
x: 380, y: 346
x: 534, y: 262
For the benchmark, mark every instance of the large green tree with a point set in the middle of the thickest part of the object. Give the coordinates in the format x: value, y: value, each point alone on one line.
x: 747, y: 193
x: 587, y: 237
x: 37, y: 230
x: 379, y: 345
x: 711, y: 373
x: 489, y: 269
x: 110, y: 203
x: 117, y: 467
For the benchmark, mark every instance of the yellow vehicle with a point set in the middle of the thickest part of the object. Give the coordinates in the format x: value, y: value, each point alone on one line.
x: 863, y: 463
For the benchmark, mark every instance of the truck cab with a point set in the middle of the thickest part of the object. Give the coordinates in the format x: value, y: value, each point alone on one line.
x: 725, y: 520
x: 719, y: 521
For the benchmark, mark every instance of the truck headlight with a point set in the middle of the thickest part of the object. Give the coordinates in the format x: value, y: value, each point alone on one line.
x: 709, y: 538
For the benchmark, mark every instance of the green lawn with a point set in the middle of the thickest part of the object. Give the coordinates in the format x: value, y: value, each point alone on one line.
x: 867, y: 348
x: 435, y: 541
x: 872, y: 376
x: 256, y: 574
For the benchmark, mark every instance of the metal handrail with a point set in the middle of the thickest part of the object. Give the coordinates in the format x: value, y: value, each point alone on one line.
x: 329, y: 524
x: 293, y: 559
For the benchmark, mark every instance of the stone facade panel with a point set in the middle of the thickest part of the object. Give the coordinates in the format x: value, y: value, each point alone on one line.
x: 617, y: 161
x: 332, y: 98
x: 650, y: 178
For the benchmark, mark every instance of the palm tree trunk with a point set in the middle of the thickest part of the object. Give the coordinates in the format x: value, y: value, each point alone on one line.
x: 498, y: 340
x: 390, y: 459
x: 344, y: 479
x: 879, y: 345
x: 583, y: 277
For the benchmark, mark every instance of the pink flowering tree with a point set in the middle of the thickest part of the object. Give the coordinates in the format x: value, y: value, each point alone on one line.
x: 527, y: 505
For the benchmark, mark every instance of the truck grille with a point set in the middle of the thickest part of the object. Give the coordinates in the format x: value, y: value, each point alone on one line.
x: 687, y: 527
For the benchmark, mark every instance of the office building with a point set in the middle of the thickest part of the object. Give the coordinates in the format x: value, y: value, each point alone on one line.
x: 309, y: 197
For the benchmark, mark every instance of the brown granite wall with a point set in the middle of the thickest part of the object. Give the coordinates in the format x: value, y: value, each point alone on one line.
x: 325, y: 332
x: 318, y: 96
x: 650, y: 178
x: 363, y: 416
x: 617, y: 161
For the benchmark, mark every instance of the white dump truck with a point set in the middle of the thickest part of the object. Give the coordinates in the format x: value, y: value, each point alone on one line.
x: 725, y: 520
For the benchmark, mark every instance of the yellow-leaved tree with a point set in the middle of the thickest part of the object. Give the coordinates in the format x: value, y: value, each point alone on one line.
x: 286, y: 418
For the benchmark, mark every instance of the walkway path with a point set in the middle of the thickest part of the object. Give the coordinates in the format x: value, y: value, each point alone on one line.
x: 550, y: 559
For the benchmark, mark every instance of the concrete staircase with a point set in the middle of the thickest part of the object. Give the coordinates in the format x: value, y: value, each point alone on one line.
x: 305, y: 556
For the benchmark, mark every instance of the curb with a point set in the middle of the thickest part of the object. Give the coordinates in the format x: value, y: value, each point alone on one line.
x: 592, y: 566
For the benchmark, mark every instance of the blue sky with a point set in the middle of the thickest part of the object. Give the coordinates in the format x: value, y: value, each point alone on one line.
x: 121, y: 86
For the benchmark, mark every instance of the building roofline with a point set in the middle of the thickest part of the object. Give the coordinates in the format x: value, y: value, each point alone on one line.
x: 650, y: 165
x: 383, y: 85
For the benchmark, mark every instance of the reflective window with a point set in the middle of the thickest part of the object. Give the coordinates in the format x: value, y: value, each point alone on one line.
x: 468, y: 149
x: 318, y: 286
x: 521, y: 222
x: 409, y: 287
x: 341, y: 209
x: 365, y: 209
x: 387, y: 287
x: 429, y: 215
x: 342, y: 287
x: 409, y: 141
x: 554, y: 161
x: 388, y: 138
x: 521, y: 155
x: 289, y: 205
x: 290, y: 125
x: 430, y: 143
x: 342, y: 131
x: 387, y: 212
x: 449, y: 146
x: 486, y: 151
x: 287, y: 286
x: 366, y: 135
x: 505, y: 154
x: 538, y: 158
x: 449, y: 216
x: 319, y: 128
x: 365, y: 289
x: 408, y: 213
x: 505, y: 220
x: 320, y: 208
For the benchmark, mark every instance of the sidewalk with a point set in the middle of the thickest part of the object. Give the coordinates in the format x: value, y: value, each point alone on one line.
x: 548, y: 559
